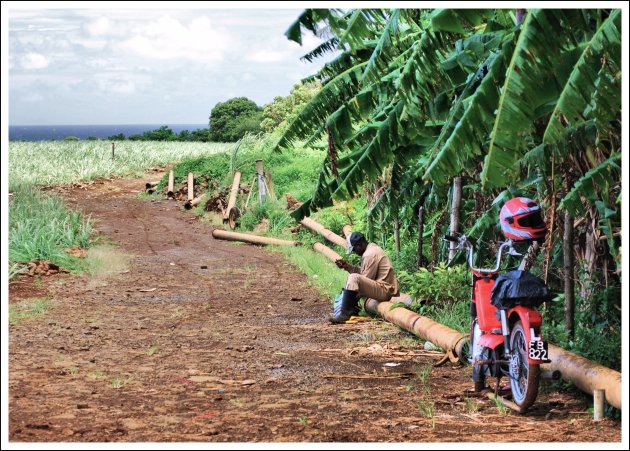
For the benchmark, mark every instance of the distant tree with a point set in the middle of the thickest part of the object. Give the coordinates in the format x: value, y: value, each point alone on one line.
x: 91, y: 138
x: 230, y: 120
x: 163, y: 133
x: 71, y: 138
x: 118, y: 137
x: 282, y: 111
x: 201, y: 134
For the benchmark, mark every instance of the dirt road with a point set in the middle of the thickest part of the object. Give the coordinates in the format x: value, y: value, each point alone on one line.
x: 204, y: 340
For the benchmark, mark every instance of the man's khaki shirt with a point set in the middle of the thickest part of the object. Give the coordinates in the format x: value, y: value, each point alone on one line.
x: 376, y: 266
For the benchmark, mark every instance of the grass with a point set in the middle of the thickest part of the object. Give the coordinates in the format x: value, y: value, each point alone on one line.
x: 321, y: 272
x: 97, y: 374
x: 500, y: 406
x: 29, y: 309
x: 41, y: 227
x: 420, y: 380
x: 302, y: 420
x: 118, y: 382
x: 104, y: 261
x: 472, y: 406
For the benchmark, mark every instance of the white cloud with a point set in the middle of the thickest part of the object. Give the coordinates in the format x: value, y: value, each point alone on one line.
x: 95, y: 44
x: 34, y: 60
x: 99, y: 27
x: 32, y: 97
x: 167, y: 38
x: 117, y: 86
x: 267, y: 56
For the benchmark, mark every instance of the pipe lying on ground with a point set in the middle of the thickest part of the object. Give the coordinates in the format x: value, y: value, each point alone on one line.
x: 193, y: 203
x: 427, y: 329
x: 585, y: 374
x: 328, y: 252
x: 233, y: 192
x: 247, y: 238
x: 328, y: 234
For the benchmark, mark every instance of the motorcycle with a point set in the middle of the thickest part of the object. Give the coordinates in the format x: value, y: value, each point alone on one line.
x: 505, y: 331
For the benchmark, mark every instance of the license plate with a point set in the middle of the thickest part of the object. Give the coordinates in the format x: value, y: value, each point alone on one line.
x: 538, y: 350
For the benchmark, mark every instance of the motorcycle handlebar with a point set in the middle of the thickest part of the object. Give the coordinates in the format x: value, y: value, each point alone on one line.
x: 464, y: 244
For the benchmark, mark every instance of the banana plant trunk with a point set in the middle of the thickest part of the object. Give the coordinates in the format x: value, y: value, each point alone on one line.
x: 456, y: 204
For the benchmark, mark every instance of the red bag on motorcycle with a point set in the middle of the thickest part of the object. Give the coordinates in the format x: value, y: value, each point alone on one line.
x: 519, y: 288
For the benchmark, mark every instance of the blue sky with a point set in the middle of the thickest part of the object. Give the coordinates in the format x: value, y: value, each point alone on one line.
x: 148, y: 65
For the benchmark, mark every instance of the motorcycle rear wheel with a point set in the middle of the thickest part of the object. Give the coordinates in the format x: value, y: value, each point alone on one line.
x: 524, y: 377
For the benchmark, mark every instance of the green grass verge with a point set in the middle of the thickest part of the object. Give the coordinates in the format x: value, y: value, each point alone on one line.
x: 28, y: 309
x: 41, y: 227
x: 321, y: 272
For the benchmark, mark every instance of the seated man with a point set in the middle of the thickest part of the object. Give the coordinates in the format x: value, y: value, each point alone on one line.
x: 375, y: 279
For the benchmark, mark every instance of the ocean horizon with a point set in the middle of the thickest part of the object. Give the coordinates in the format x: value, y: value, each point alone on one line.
x: 101, y: 131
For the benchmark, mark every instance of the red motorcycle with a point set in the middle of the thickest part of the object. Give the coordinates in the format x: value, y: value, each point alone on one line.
x: 505, y: 332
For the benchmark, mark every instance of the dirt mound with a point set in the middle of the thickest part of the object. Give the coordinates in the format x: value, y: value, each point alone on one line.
x: 44, y: 268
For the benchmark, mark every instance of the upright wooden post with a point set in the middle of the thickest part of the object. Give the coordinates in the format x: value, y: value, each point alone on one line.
x: 233, y: 193
x: 113, y: 145
x: 569, y: 279
x: 191, y: 186
x: 456, y: 203
x: 171, y: 182
x: 598, y: 404
x: 262, y: 190
x: 420, y: 234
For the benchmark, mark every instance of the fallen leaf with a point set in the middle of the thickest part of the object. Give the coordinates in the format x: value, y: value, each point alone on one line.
x: 147, y: 290
x: 248, y: 382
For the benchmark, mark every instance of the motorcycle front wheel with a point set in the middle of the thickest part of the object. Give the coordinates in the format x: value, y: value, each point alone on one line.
x: 524, y: 377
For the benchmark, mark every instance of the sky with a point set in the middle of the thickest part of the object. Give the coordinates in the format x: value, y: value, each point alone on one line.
x: 129, y: 64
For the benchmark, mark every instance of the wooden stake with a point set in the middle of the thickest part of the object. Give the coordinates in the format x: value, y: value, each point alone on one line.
x: 598, y: 404
x: 191, y: 186
x: 171, y: 181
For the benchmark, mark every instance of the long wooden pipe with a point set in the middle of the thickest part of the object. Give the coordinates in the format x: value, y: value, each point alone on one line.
x: 585, y: 374
x: 328, y: 252
x: 233, y: 192
x: 171, y: 181
x: 193, y: 203
x: 328, y: 234
x: 254, y: 239
x: 427, y: 329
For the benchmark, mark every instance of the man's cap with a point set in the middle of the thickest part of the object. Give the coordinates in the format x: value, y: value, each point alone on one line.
x: 353, y: 239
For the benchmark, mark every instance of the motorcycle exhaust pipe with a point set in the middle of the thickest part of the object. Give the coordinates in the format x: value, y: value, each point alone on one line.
x: 551, y: 375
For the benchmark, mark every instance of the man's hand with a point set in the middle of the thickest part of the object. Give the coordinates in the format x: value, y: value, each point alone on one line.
x: 343, y: 265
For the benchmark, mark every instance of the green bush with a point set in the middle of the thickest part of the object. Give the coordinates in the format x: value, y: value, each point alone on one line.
x: 442, y: 287
x: 271, y: 210
x: 597, y: 327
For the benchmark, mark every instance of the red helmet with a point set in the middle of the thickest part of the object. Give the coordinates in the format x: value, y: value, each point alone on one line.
x: 521, y: 220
